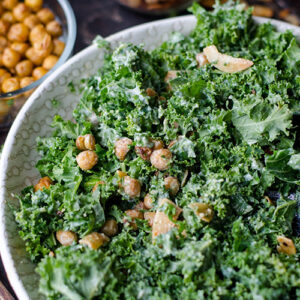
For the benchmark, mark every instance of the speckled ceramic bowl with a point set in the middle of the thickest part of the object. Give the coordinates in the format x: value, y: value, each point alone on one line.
x: 17, y: 167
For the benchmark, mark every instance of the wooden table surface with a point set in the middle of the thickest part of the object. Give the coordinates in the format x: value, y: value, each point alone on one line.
x: 106, y: 17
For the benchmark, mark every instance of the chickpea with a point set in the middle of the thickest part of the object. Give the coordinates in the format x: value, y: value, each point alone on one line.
x: 150, y: 92
x: 10, y: 85
x: 31, y: 21
x: 110, y: 228
x: 201, y: 59
x: 286, y: 246
x: 143, y: 152
x: 96, y: 185
x: 9, y: 4
x: 86, y: 160
x: 203, y: 211
x: 26, y: 81
x: 45, y: 15
x: 66, y: 238
x: 3, y: 43
x: 3, y: 75
x: 37, y: 33
x: 139, y: 206
x: 170, y: 76
x: 35, y: 57
x: 19, y: 47
x: 54, y: 28
x: 18, y: 33
x: 132, y: 215
x: 157, y: 144
x: 8, y: 17
x: 121, y: 147
x: 39, y: 72
x: 4, y: 27
x: 149, y: 216
x: 86, y: 142
x: 58, y: 47
x: 10, y: 58
x: 50, y: 61
x: 44, y: 182
x: 94, y: 240
x: 161, y: 159
x: 148, y: 202
x: 35, y: 5
x: 24, y: 68
x: 44, y: 46
x: 172, y: 184
x: 131, y: 186
x: 21, y: 11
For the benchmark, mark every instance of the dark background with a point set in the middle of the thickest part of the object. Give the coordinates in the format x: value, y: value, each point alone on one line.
x: 105, y: 17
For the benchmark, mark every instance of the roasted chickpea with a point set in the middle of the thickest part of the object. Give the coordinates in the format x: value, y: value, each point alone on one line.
x: 4, y: 75
x: 131, y: 216
x: 44, y: 182
x: 94, y: 240
x: 286, y: 246
x: 143, y: 152
x: 121, y: 147
x: 66, y: 238
x: 35, y: 5
x: 39, y: 72
x: 149, y: 216
x: 110, y: 228
x: 18, y: 33
x: 3, y: 43
x: 35, y: 57
x: 37, y: 33
x: 4, y: 27
x: 10, y: 58
x: 172, y: 184
x: 148, y: 202
x: 54, y: 28
x: 86, y: 160
x: 131, y: 186
x: 170, y: 76
x: 161, y: 159
x: 50, y: 61
x: 9, y: 4
x: 21, y: 11
x: 31, y: 21
x: 158, y: 144
x: 45, y: 15
x: 19, y: 47
x: 44, y: 46
x: 26, y: 81
x: 58, y: 47
x: 86, y: 142
x: 8, y: 17
x: 24, y: 68
x: 201, y: 59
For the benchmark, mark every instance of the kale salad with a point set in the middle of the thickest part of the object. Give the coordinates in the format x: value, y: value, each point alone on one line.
x: 179, y: 176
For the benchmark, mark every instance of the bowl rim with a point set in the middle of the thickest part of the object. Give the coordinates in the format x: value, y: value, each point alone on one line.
x: 7, y: 260
x: 70, y: 42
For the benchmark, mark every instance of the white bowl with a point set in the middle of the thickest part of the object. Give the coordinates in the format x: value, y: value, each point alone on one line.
x: 17, y: 166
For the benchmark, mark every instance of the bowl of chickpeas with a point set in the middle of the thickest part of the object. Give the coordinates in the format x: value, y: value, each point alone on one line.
x: 36, y: 37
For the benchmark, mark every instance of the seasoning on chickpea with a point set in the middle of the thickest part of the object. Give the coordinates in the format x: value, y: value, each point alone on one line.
x: 4, y: 27
x: 21, y: 11
x: 18, y: 33
x: 10, y: 84
x: 131, y: 186
x: 37, y: 33
x: 66, y: 238
x: 24, y: 68
x: 86, y: 142
x: 45, y: 15
x: 110, y: 228
x: 54, y: 28
x: 26, y: 81
x: 19, y: 47
x: 50, y: 61
x: 121, y: 147
x: 172, y: 184
x: 35, y: 5
x: 8, y: 17
x: 44, y: 182
x: 9, y: 4
x: 148, y: 202
x: 34, y: 56
x: 94, y: 240
x: 86, y: 160
x: 31, y: 21
x: 161, y: 159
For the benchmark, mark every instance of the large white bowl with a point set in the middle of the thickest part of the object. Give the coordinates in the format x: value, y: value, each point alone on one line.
x: 17, y: 167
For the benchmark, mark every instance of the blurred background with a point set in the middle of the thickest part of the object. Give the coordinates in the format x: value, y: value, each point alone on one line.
x: 105, y: 17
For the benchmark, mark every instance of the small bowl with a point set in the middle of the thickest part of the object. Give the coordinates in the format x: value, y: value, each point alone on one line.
x: 11, y: 103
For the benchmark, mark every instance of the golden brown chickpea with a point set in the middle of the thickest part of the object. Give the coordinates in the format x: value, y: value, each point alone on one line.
x: 8, y: 17
x: 9, y: 4
x: 39, y: 72
x: 10, y: 58
x: 132, y: 215
x: 31, y: 21
x: 110, y: 228
x: 86, y: 160
x: 66, y: 238
x: 3, y: 43
x: 49, y: 62
x: 158, y: 144
x: 4, y: 27
x: 121, y: 147
x: 44, y: 46
x: 35, y: 5
x: 24, y: 68
x: 54, y: 28
x: 3, y: 75
x: 148, y: 202
x: 26, y: 81
x: 161, y: 159
x: 37, y: 33
x: 149, y: 216
x: 19, y: 47
x: 44, y: 182
x: 58, y: 47
x: 143, y: 152
x: 18, y: 33
x: 34, y: 56
x: 21, y: 11
x: 286, y: 245
x: 131, y: 186
x: 94, y: 240
x: 86, y: 142
x: 172, y: 184
x: 45, y: 15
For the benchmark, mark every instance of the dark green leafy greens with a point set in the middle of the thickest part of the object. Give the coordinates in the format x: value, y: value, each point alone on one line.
x: 237, y: 141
